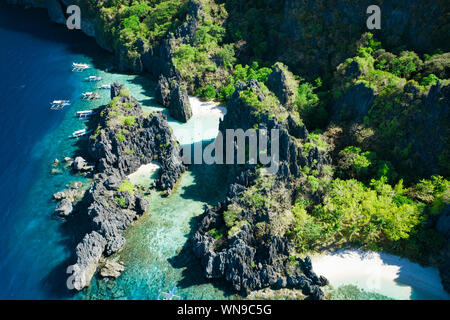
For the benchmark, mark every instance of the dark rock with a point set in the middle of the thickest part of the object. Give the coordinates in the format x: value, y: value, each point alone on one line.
x: 354, y: 104
x: 88, y: 252
x: 180, y: 108
x: 111, y: 211
x: 115, y: 89
x: 162, y: 92
x: 279, y: 83
x: 244, y: 261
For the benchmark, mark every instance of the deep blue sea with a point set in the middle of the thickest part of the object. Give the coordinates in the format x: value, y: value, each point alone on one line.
x: 35, y: 59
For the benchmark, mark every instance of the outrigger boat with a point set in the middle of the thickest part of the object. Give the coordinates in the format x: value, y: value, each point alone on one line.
x: 79, y: 67
x: 94, y: 78
x: 86, y: 113
x: 168, y: 296
x: 59, y: 104
x: 90, y: 96
x: 105, y: 86
x: 80, y: 133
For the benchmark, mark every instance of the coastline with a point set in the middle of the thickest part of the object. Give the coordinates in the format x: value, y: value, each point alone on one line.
x: 381, y: 273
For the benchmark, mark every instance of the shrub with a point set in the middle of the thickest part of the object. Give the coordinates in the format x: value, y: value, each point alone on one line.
x: 406, y: 64
x: 209, y: 92
x: 126, y: 186
x: 431, y: 79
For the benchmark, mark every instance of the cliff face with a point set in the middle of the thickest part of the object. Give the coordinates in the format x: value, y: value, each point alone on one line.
x: 244, y: 239
x: 124, y: 140
x: 409, y: 121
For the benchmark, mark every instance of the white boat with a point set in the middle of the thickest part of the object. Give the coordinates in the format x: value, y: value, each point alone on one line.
x: 105, y: 86
x: 79, y: 67
x: 80, y: 133
x: 59, y: 104
x: 94, y: 78
x: 86, y: 113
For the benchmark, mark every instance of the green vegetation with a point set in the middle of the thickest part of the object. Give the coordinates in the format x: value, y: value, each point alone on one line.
x: 127, y: 120
x: 121, y: 202
x: 376, y: 217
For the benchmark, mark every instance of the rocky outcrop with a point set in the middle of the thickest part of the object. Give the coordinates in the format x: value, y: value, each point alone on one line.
x: 125, y: 140
x: 354, y: 104
x: 64, y: 209
x: 282, y: 83
x: 180, y: 108
x: 173, y: 96
x: 318, y: 37
x: 111, y: 269
x: 55, y: 11
x: 253, y: 250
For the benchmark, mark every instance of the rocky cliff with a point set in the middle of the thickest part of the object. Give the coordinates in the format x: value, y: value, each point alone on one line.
x: 244, y: 239
x: 124, y: 140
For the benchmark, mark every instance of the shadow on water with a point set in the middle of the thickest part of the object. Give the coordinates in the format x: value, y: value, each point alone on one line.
x: 210, y: 186
x: 72, y: 230
x: 211, y: 181
x: 193, y: 273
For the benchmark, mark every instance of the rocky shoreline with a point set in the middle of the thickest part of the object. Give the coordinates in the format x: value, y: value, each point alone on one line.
x: 255, y: 252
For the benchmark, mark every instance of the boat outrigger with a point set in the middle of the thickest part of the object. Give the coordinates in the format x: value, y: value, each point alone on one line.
x: 94, y: 78
x: 79, y: 67
x: 80, y: 133
x: 90, y: 96
x: 59, y: 104
x: 86, y: 113
x: 168, y: 295
x: 105, y: 86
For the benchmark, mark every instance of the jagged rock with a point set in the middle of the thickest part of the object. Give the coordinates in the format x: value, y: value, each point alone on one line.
x: 64, y: 209
x: 111, y: 269
x: 79, y: 164
x: 354, y: 104
x: 281, y: 83
x: 88, y: 252
x: 180, y: 108
x: 162, y: 92
x: 115, y: 89
x: 443, y: 223
x: 246, y: 262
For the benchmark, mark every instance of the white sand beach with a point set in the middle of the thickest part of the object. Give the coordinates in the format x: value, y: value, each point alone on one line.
x: 382, y: 273
x: 200, y: 108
